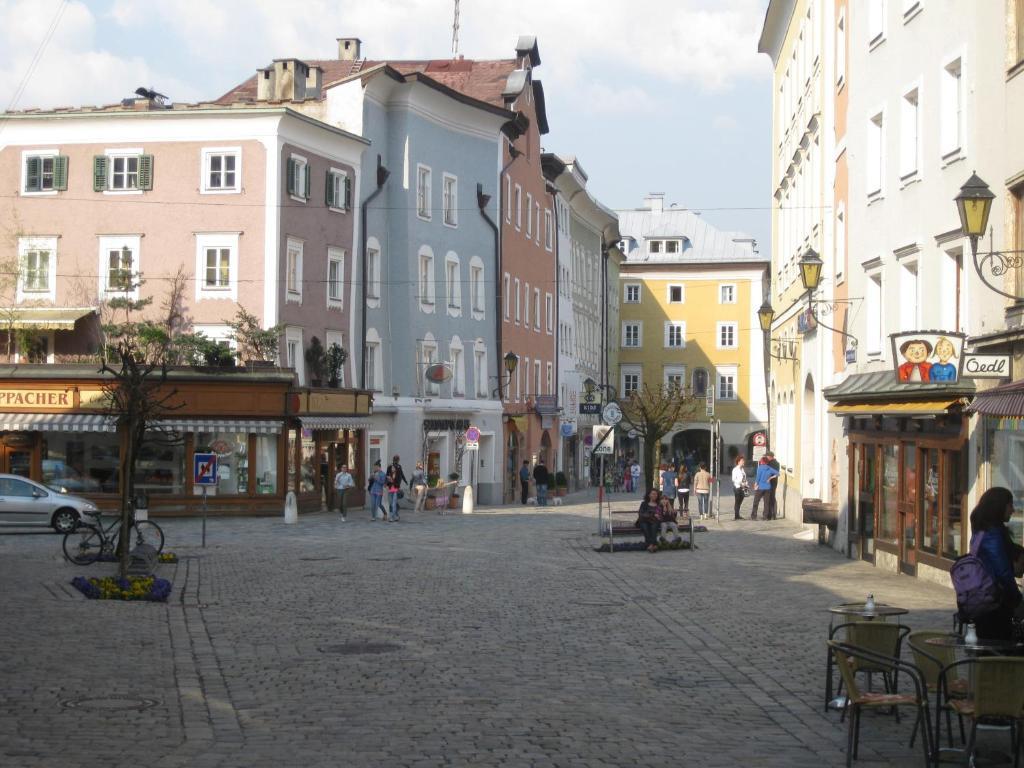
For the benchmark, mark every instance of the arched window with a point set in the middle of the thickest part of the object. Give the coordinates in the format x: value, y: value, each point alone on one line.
x: 480, y: 368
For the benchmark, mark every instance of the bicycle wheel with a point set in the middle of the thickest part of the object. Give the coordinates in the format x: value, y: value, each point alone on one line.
x: 147, y: 532
x: 83, y: 545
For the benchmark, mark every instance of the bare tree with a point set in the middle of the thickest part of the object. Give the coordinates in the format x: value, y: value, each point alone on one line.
x: 653, y: 413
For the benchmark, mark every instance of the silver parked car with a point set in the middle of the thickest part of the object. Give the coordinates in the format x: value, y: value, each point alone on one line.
x: 26, y: 502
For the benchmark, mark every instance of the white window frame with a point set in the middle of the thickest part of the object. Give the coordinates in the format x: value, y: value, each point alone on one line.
x: 668, y: 371
x: 549, y: 235
x: 425, y: 281
x: 373, y: 270
x: 293, y: 295
x: 707, y: 383
x: 911, y: 8
x: 519, y: 208
x: 668, y: 293
x: 910, y: 134
x: 427, y: 356
x: 424, y: 179
x: 450, y: 200
x: 42, y: 154
x: 507, y: 295
x: 529, y: 215
x: 508, y: 198
x: 952, y: 109
x: 480, y: 368
x: 536, y: 230
x: 549, y: 379
x: 477, y: 288
x: 549, y: 312
x: 841, y: 48
x: 671, y: 325
x: 457, y: 358
x: 625, y: 293
x: 126, y: 152
x: 217, y: 332
x: 630, y: 370
x: 204, y: 170
x: 338, y: 178
x: 517, y: 317
x: 721, y: 328
x: 301, y: 171
x: 875, y: 156
x: 218, y: 240
x: 876, y: 13
x: 116, y: 242
x: 453, y: 288
x: 336, y: 256
x: 536, y: 309
x: 37, y: 243
x: 293, y: 335
x: 874, y: 321
x: 527, y: 299
x: 732, y: 373
x: 626, y: 326
x: 375, y: 365
x: 721, y: 291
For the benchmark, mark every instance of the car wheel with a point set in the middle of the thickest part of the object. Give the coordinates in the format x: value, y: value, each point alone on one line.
x: 65, y: 520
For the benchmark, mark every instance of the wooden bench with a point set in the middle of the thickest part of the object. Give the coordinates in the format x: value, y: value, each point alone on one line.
x: 684, y: 521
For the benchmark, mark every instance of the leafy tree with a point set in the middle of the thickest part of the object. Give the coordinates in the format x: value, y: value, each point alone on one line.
x: 336, y: 357
x: 254, y: 341
x: 653, y: 413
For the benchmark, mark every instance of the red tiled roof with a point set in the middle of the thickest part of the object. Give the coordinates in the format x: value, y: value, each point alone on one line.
x: 480, y: 80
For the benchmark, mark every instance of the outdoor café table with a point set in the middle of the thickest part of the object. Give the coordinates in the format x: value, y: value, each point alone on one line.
x: 858, y: 611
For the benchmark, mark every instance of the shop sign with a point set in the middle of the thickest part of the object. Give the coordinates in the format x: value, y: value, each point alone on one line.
x: 590, y: 408
x: 36, y: 398
x: 806, y: 321
x: 927, y: 357
x: 568, y: 428
x: 986, y: 366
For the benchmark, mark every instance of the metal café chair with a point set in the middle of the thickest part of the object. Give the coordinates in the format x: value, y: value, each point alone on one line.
x: 848, y: 658
x: 996, y: 696
x: 931, y: 660
x: 877, y: 637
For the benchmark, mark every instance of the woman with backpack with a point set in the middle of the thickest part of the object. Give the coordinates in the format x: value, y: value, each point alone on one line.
x: 991, y: 543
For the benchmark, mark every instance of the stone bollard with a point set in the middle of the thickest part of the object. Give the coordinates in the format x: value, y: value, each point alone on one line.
x: 291, y: 508
x: 467, y: 500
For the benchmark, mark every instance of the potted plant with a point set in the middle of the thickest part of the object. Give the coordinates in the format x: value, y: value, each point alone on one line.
x: 257, y: 346
x: 433, y: 483
x: 336, y: 357
x: 561, y: 486
x: 316, y: 359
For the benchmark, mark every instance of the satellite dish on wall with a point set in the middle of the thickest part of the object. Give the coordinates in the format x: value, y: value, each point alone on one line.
x: 437, y: 373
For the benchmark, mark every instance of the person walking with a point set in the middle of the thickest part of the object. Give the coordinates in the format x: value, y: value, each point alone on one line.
x: 377, y: 480
x: 400, y: 474
x: 524, y: 482
x: 739, y: 486
x: 773, y: 506
x: 668, y: 483
x: 991, y: 543
x: 684, y: 484
x: 419, y: 487
x: 342, y: 482
x: 392, y: 486
x: 540, y: 479
x: 634, y: 473
x: 702, y: 488
x: 647, y: 519
x: 763, y: 486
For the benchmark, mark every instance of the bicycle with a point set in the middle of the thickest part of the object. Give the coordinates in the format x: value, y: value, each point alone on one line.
x: 90, y: 541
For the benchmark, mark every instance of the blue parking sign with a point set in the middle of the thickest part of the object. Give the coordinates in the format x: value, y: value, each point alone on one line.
x: 204, y: 467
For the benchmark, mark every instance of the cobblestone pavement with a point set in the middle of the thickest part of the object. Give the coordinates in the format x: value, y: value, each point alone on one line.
x: 497, y: 639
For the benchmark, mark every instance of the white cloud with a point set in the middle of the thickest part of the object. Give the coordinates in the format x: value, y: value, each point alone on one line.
x: 72, y: 70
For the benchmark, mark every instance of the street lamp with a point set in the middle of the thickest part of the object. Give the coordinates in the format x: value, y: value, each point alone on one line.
x: 765, y: 315
x: 974, y: 204
x: 511, y: 361
x: 810, y: 270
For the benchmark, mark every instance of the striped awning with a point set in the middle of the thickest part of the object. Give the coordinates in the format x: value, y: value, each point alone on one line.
x: 904, y: 408
x: 334, y: 422
x: 1005, y: 400
x: 56, y: 422
x: 257, y: 426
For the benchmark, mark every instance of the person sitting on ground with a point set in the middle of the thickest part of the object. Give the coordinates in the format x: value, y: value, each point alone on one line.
x: 667, y: 518
x: 647, y: 519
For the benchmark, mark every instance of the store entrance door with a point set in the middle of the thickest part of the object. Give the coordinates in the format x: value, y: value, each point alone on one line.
x: 16, y: 460
x: 908, y: 508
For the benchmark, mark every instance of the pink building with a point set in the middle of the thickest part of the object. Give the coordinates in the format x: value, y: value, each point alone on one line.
x: 254, y: 204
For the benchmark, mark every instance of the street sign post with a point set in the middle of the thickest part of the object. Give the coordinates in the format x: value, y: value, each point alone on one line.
x: 204, y: 475
x: 709, y: 400
x: 611, y: 413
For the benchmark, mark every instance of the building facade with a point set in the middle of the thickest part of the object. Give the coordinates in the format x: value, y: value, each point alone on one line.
x: 689, y: 298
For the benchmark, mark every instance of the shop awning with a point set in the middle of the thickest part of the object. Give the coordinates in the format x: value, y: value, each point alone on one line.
x: 334, y: 422
x: 258, y: 426
x: 45, y: 318
x: 1004, y: 400
x: 905, y: 408
x: 56, y: 422
x: 884, y: 388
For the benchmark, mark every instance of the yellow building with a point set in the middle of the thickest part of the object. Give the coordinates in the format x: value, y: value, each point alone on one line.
x: 688, y: 305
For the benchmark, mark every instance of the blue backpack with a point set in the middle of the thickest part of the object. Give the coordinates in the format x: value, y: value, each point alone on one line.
x: 977, y: 593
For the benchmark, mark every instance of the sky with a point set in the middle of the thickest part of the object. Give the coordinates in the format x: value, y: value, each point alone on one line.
x: 650, y: 95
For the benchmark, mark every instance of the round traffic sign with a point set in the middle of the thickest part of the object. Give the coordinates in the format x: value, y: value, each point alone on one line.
x: 611, y: 414
x: 759, y: 438
x: 473, y: 435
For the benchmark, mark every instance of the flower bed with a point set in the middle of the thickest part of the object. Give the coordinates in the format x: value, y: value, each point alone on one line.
x: 132, y: 588
x: 639, y: 546
x: 168, y: 557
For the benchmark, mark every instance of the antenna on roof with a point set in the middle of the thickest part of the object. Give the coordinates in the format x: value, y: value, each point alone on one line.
x: 455, y: 32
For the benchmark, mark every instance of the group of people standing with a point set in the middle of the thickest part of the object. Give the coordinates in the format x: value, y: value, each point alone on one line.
x: 383, y: 485
x: 766, y: 481
x: 680, y: 481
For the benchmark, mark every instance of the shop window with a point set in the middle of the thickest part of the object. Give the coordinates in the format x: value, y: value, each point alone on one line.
x: 911, y: 494
x: 888, y: 514
x: 160, y: 469
x: 954, y: 494
x: 64, y: 465
x: 930, y: 506
x: 266, y: 464
x: 866, y: 456
x: 232, y: 449
x: 310, y: 464
x: 293, y: 440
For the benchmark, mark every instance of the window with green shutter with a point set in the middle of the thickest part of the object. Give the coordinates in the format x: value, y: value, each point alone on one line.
x: 291, y: 176
x: 298, y: 178
x: 348, y: 194
x: 60, y: 173
x: 46, y: 173
x: 145, y: 172
x: 33, y: 174
x: 305, y: 187
x: 100, y: 165
x: 329, y: 196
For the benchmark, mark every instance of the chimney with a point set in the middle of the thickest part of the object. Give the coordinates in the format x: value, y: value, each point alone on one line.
x: 655, y: 202
x: 349, y: 48
x: 314, y: 82
x: 266, y: 84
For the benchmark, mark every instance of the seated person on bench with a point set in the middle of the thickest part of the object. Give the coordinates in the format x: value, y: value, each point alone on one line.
x: 666, y: 515
x: 647, y: 519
